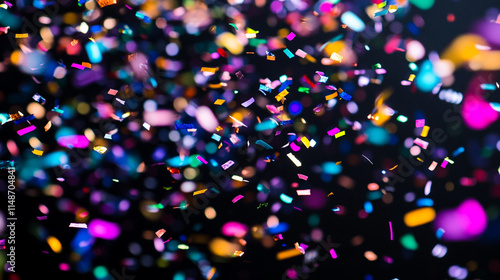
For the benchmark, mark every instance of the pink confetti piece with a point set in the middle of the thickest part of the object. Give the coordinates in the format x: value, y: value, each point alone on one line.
x: 41, y: 218
x: 25, y: 130
x: 433, y: 166
x: 420, y: 123
x: 160, y: 232
x: 444, y: 164
x: 297, y: 208
x: 333, y: 131
x: 9, y: 4
x: 405, y: 83
x: 421, y: 143
x: 248, y: 102
x: 294, y: 147
x: 78, y: 66
x: 300, y: 53
x: 112, y: 91
x: 302, y: 176
x: 227, y: 164
x: 78, y: 225
x: 128, y: 7
x: 380, y: 71
x: 333, y: 254
x: 238, y: 197
x: 390, y: 228
x: 297, y: 246
x: 202, y: 159
x: 290, y: 36
x: 304, y: 192
x: 60, y: 179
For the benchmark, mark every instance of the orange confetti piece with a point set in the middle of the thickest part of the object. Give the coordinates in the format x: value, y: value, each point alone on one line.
x: 199, y: 192
x: 86, y: 64
x: 419, y: 216
x: 286, y: 254
x: 331, y: 96
x: 219, y: 101
x: 22, y: 35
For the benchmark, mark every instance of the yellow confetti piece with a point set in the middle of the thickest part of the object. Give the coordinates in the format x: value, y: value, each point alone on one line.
x: 86, y: 64
x: 91, y: 39
x: 199, y: 192
x: 286, y: 254
x: 305, y: 141
x: 425, y: 131
x: 209, y: 69
x: 394, y: 167
x: 238, y: 253
x: 419, y: 216
x: 54, y: 244
x: 330, y: 194
x: 219, y: 101
x: 310, y: 58
x: 331, y: 96
x: 100, y: 149
x: 419, y: 159
x: 48, y: 126
x: 340, y: 134
x: 219, y: 128
x: 336, y: 57
x: 393, y: 8
x: 281, y: 95
x: 338, y: 162
x: 381, y: 5
x: 38, y: 152
x: 22, y: 35
x: 412, y: 76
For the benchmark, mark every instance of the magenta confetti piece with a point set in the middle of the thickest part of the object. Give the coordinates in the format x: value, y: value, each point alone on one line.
x: 104, y: 229
x: 332, y: 132
x: 333, y: 253
x: 201, y: 159
x: 25, y: 130
x: 238, y: 197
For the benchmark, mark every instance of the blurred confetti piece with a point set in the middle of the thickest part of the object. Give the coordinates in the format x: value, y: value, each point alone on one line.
x: 104, y: 229
x: 421, y: 143
x: 390, y: 229
x: 77, y: 66
x: 433, y: 166
x: 248, y: 102
x: 238, y: 197
x: 303, y: 177
x: 488, y: 87
x: 147, y: 126
x: 294, y: 160
x: 54, y: 244
x: 427, y: 189
x: 100, y: 149
x: 285, y: 198
x: 112, y: 91
x: 200, y: 158
x: 206, y: 119
x: 286, y: 254
x: 160, y: 232
x: 352, y: 21
x: 22, y: 35
x: 219, y: 101
x: 402, y: 118
x: 78, y: 225
x: 419, y: 216
x: 331, y: 96
x: 25, y: 130
x: 304, y: 192
x: 425, y: 131
x: 38, y: 152
x: 420, y: 123
x: 104, y: 3
x: 336, y: 57
x: 333, y: 253
x: 300, y: 249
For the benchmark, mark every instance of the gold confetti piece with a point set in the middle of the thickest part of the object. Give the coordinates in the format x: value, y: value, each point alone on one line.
x: 104, y: 3
x: 100, y: 149
x: 331, y: 96
x: 311, y: 58
x: 38, y: 152
x: 419, y: 216
x: 394, y: 167
x: 419, y: 159
x: 199, y: 192
x: 74, y: 42
x: 22, y: 35
x: 219, y: 128
x: 238, y: 253
x: 91, y: 39
x: 393, y: 8
x: 86, y: 64
x: 272, y: 58
x: 425, y: 131
x: 330, y: 194
x: 281, y: 95
x: 48, y: 126
x: 412, y: 76
x: 336, y: 57
x: 219, y: 101
x: 209, y: 69
x: 338, y: 162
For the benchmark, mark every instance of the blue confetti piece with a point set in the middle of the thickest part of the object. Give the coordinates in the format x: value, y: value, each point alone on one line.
x: 488, y: 87
x: 288, y: 53
x: 458, y: 151
x: 264, y: 144
x: 346, y: 96
x: 423, y: 202
x: 216, y: 137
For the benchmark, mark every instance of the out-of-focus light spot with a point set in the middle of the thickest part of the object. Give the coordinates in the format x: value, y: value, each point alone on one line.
x: 377, y: 135
x: 352, y: 21
x: 423, y: 4
x: 100, y: 272
x: 172, y: 49
x: 73, y: 141
x: 295, y: 108
x: 477, y: 113
x: 415, y: 151
x: 466, y: 222
x: 331, y: 168
x: 93, y: 52
x: 439, y: 251
x: 188, y: 186
x: 408, y: 241
x: 371, y: 256
x: 419, y: 216
x: 234, y: 229
x: 104, y: 229
x: 426, y: 79
x: 414, y: 51
x: 210, y: 213
x: 54, y: 244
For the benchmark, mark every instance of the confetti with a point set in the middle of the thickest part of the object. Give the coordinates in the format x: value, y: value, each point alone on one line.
x: 78, y: 225
x: 238, y: 197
